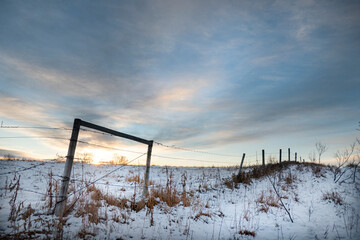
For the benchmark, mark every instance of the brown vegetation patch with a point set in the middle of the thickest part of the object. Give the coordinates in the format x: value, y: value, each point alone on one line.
x: 333, y: 197
x: 270, y: 200
x: 247, y: 233
x: 201, y: 213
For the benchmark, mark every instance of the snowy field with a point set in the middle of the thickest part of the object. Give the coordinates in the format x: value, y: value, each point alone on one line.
x: 184, y: 203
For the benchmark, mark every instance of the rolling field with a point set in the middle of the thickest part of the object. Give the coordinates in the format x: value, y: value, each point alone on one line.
x: 183, y: 203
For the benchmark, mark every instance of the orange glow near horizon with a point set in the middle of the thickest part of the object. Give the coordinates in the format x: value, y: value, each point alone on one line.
x: 99, y: 156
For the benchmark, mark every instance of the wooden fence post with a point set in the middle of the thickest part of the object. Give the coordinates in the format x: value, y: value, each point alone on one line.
x: 295, y: 156
x: 147, y: 171
x: 61, y: 203
x: 241, y: 165
x: 289, y: 153
x: 263, y: 158
x: 280, y: 156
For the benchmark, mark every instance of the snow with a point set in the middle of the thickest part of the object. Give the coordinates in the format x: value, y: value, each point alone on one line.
x: 215, y: 211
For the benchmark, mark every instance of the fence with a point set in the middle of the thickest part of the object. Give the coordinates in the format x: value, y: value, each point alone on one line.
x: 181, y: 154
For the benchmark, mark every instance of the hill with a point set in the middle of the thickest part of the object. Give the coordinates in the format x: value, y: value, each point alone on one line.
x: 288, y: 201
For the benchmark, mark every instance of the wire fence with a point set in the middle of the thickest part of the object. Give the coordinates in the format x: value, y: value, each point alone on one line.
x: 171, y: 153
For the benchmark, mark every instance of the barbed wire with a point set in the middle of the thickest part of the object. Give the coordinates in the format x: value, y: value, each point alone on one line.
x: 98, y: 179
x: 103, y: 146
x: 82, y: 188
x: 194, y: 150
x: 24, y: 169
x: 188, y: 159
x: 155, y: 155
x: 248, y: 157
x: 33, y: 137
x: 32, y: 191
x: 34, y: 127
x: 97, y: 132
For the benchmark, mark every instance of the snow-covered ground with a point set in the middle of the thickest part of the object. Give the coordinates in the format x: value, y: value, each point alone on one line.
x: 208, y: 210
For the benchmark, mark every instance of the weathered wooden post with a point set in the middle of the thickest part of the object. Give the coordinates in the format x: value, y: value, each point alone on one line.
x: 295, y: 156
x: 241, y: 164
x: 147, y: 171
x: 280, y: 156
x: 60, y: 205
x: 289, y: 154
x: 263, y: 158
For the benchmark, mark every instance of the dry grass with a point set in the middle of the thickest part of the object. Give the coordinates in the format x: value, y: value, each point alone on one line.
x: 201, y: 213
x: 247, y: 233
x: 135, y: 178
x: 333, y: 197
x: 27, y: 213
x: 270, y: 200
x: 257, y: 172
x: 317, y: 169
x: 290, y: 178
x: 168, y: 195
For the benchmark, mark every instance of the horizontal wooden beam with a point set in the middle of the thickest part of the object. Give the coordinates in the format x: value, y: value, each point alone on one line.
x: 112, y: 132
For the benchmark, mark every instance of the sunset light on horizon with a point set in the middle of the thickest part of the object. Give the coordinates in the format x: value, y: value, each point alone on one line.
x: 224, y: 77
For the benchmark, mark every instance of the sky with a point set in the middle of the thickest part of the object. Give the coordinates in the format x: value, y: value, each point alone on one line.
x: 226, y: 77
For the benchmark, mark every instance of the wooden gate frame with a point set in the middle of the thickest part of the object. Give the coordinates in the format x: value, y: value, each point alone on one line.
x: 60, y: 205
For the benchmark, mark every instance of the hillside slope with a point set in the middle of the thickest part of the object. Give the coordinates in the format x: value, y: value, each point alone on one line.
x: 184, y: 203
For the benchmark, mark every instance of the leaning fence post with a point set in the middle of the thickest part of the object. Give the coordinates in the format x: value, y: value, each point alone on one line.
x: 263, y: 158
x: 241, y: 165
x: 147, y: 171
x: 289, y: 154
x: 60, y: 205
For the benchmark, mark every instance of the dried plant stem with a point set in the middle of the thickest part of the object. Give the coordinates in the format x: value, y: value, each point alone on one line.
x: 282, y: 203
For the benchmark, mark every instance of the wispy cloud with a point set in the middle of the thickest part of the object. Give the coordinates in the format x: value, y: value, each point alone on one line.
x: 183, y: 71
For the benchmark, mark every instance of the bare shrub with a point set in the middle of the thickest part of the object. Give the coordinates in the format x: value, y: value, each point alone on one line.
x: 119, y: 160
x: 320, y: 148
x: 342, y: 158
x: 312, y: 156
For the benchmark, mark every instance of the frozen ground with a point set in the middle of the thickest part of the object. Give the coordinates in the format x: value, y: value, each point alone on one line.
x: 208, y: 210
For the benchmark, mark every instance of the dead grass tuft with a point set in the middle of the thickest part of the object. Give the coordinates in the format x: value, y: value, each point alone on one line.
x: 135, y: 178
x: 290, y: 178
x: 266, y: 201
x: 201, y: 213
x: 247, y: 233
x: 333, y: 197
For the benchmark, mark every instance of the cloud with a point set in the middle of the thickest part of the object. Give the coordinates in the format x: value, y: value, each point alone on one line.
x: 29, y: 112
x: 13, y: 153
x: 183, y: 71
